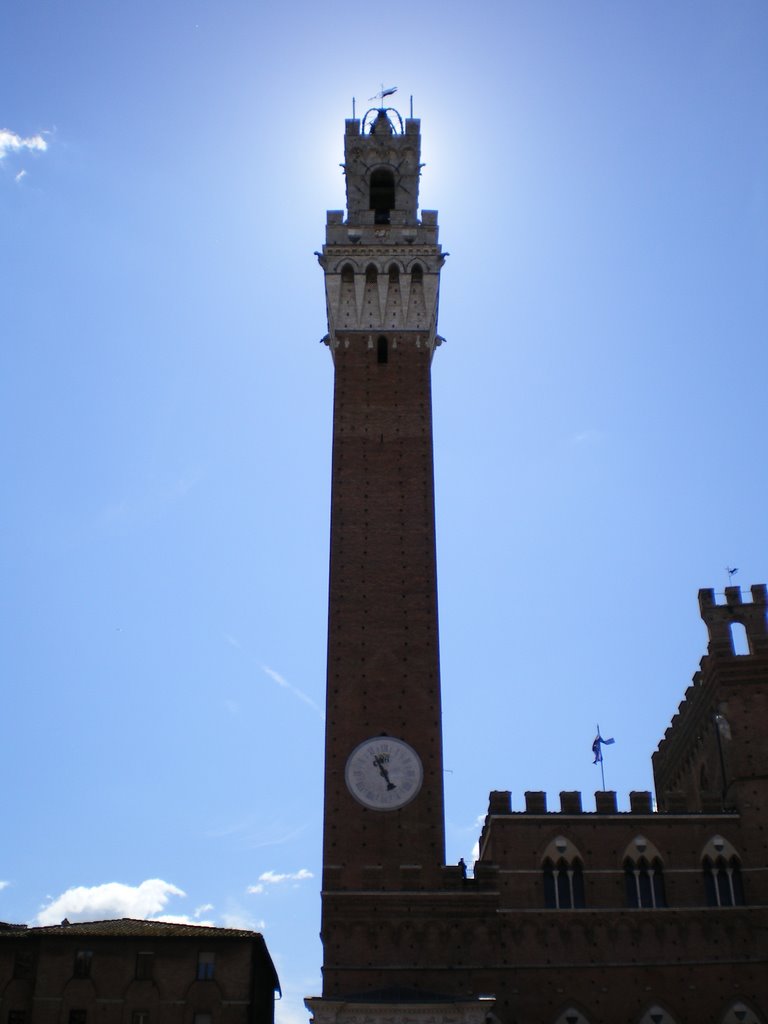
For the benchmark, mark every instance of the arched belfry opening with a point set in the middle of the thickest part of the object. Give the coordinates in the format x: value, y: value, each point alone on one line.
x: 382, y: 194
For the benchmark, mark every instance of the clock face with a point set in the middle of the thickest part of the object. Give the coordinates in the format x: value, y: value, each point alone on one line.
x: 383, y: 773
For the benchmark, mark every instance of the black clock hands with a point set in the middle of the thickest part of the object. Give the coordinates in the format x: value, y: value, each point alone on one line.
x: 378, y: 762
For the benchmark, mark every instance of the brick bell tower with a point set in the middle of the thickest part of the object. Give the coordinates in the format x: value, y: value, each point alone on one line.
x: 384, y: 817
x: 383, y: 753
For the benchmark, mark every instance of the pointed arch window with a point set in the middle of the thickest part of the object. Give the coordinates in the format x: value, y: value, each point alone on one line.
x: 382, y: 194
x: 394, y: 274
x: 563, y: 876
x: 371, y: 274
x: 722, y: 874
x: 644, y: 875
x: 722, y: 882
x: 417, y: 274
x: 563, y: 884
x: 645, y: 883
x: 347, y: 274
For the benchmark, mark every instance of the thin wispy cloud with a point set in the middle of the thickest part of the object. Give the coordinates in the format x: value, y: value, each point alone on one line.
x: 22, y: 174
x: 582, y: 437
x: 4, y: 885
x: 277, y: 878
x: 252, y: 834
x: 108, y: 901
x: 10, y: 142
x: 128, y: 513
x: 282, y: 681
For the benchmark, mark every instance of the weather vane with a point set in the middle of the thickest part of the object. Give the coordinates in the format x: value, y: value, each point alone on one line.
x: 382, y: 95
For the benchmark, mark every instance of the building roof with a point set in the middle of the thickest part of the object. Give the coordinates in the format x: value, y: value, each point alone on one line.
x: 127, y: 927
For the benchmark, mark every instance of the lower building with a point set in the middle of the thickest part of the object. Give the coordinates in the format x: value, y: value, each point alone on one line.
x: 656, y: 915
x: 134, y: 972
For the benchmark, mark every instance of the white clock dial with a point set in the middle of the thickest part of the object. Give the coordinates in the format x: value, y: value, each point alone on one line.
x: 383, y: 773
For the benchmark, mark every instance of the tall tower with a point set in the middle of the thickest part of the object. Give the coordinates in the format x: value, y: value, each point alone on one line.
x: 383, y: 767
x: 383, y: 847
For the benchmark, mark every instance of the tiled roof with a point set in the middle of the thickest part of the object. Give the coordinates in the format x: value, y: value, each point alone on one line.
x: 128, y: 927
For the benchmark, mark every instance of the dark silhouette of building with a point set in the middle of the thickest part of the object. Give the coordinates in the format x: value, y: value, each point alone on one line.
x: 651, y: 916
x: 134, y: 972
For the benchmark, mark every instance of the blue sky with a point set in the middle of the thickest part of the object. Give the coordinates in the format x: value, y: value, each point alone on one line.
x: 600, y: 172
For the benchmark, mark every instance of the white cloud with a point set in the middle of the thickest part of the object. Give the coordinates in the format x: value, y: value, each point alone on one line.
x: 276, y: 878
x: 10, y: 142
x: 183, y: 919
x: 110, y: 900
x: 22, y: 174
x: 4, y: 885
x: 203, y: 909
x: 238, y: 919
x: 281, y: 681
x: 273, y: 878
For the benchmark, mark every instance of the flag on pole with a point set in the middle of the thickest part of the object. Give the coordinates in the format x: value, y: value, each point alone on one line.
x: 597, y: 747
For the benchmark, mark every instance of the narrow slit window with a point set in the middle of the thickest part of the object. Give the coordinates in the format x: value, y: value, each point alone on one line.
x: 382, y: 350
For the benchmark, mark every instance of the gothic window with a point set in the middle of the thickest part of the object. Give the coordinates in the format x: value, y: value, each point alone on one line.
x: 382, y: 194
x: 381, y: 350
x: 722, y: 882
x: 563, y: 876
x: 347, y: 274
x: 563, y: 884
x: 644, y: 875
x: 722, y: 874
x: 645, y: 883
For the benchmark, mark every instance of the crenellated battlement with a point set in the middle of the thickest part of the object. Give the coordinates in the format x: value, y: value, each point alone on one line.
x: 714, y: 741
x: 719, y: 618
x: 640, y: 802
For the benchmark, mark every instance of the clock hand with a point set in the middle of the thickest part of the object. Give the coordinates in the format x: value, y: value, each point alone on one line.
x: 377, y: 763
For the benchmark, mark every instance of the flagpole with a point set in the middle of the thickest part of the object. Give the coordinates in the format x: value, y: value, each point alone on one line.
x: 600, y: 748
